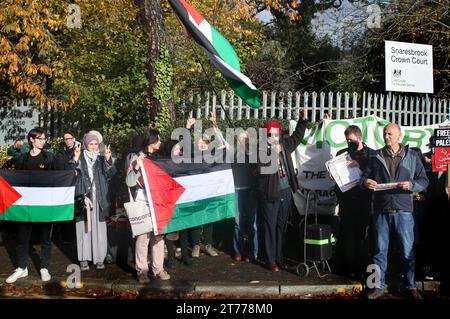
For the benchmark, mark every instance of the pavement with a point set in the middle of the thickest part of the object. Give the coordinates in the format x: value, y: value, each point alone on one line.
x: 208, y: 275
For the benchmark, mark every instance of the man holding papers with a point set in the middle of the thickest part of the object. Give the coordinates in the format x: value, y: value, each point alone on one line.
x: 394, y: 163
x: 354, y: 209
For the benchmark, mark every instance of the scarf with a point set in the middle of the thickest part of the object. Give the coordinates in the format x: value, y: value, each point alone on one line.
x: 90, y: 158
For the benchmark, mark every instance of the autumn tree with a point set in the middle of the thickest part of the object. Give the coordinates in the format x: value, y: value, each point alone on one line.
x: 30, y: 57
x: 107, y: 57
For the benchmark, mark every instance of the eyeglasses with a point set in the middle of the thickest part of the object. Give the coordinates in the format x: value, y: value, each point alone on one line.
x: 41, y: 138
x: 69, y: 139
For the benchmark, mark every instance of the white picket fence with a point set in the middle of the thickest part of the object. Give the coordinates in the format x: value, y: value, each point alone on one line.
x: 404, y: 110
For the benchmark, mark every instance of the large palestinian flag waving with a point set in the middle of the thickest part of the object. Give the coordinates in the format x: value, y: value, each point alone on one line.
x: 219, y: 51
x: 188, y: 195
x: 36, y: 196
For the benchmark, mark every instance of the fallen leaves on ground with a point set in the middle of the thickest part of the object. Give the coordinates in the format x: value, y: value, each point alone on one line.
x: 53, y: 292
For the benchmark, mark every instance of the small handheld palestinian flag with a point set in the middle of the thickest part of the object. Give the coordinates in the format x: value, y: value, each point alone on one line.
x: 36, y: 196
x: 187, y: 195
x: 219, y: 51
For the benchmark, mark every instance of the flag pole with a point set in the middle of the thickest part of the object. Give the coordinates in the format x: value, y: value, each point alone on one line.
x: 211, y: 84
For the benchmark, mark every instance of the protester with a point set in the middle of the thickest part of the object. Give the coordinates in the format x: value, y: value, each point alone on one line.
x: 354, y: 211
x: 94, y: 172
x: 173, y: 148
x: 275, y: 190
x: 200, y: 148
x: 36, y: 159
x: 245, y: 223
x: 244, y: 176
x: 65, y: 152
x: 422, y: 235
x: 18, y: 148
x: 65, y: 231
x: 436, y: 225
x: 150, y: 144
x: 393, y: 207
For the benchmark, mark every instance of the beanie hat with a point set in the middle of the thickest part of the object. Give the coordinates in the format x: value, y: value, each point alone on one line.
x: 96, y: 133
x: 272, y: 124
x: 89, y: 138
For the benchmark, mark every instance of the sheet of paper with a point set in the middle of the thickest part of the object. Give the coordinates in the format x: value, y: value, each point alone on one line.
x: 344, y: 171
x: 385, y: 186
x: 347, y: 173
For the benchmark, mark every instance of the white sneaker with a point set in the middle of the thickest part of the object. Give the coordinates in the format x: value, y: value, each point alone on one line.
x: 163, y: 275
x: 196, y: 251
x: 211, y: 251
x: 45, y: 275
x: 18, y: 273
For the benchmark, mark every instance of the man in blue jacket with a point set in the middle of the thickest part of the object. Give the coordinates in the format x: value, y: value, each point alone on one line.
x: 394, y: 163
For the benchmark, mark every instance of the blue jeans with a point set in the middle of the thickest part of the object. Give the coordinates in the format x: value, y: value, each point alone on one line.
x: 245, y: 223
x: 403, y: 226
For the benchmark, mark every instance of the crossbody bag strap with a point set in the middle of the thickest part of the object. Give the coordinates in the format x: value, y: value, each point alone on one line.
x: 131, y: 196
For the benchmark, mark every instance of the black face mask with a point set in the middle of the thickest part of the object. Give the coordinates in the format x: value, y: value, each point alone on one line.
x: 352, y: 147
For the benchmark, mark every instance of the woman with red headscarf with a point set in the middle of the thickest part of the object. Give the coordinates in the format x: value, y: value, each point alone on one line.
x: 275, y: 188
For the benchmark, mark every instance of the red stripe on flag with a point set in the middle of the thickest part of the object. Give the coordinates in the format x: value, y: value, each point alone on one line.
x: 8, y: 195
x: 198, y: 18
x: 164, y: 190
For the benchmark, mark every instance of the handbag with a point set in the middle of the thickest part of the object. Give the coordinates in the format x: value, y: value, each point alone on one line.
x: 80, y: 207
x: 139, y: 216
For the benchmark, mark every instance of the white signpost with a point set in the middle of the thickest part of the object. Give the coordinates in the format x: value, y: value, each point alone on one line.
x: 408, y: 67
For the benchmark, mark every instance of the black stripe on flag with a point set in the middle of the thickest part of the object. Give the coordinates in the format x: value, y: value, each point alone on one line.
x: 185, y: 169
x: 225, y: 71
x: 19, y: 178
x: 183, y: 15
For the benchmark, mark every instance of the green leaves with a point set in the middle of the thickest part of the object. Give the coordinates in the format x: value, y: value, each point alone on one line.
x: 162, y: 90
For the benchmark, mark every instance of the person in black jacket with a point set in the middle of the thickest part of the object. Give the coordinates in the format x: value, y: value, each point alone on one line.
x: 65, y: 231
x: 36, y: 159
x: 435, y: 239
x: 274, y: 190
x: 354, y: 210
x: 245, y: 224
x: 65, y: 152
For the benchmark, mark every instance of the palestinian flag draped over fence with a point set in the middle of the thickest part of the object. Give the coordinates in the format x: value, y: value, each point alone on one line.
x: 219, y: 51
x: 36, y: 196
x: 188, y: 195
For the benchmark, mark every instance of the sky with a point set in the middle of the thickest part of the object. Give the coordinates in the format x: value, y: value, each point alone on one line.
x: 338, y: 23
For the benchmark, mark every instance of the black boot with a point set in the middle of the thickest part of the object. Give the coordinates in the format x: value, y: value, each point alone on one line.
x: 170, y: 264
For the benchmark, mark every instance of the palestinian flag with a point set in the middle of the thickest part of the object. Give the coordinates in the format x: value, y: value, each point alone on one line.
x: 187, y: 195
x: 36, y: 196
x: 219, y: 51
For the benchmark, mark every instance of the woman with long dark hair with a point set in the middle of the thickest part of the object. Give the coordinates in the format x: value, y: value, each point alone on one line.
x: 150, y: 144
